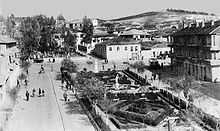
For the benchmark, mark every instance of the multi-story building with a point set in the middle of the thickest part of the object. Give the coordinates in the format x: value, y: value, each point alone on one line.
x: 118, y: 51
x: 196, y: 51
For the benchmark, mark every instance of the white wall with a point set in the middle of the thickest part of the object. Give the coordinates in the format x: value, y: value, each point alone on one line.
x: 122, y: 54
x: 216, y: 74
x: 215, y: 41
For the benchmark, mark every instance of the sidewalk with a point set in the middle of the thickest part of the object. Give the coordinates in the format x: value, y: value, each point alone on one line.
x: 74, y: 117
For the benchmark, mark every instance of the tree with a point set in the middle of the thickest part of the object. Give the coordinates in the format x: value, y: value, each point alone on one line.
x: 30, y: 30
x: 60, y: 17
x: 87, y: 29
x: 89, y: 86
x: 10, y: 25
x: 70, y: 40
x: 69, y: 65
x: 47, y: 29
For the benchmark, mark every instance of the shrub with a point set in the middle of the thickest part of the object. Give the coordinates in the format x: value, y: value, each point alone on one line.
x: 69, y: 65
x: 25, y: 65
x: 22, y: 76
x: 138, y: 65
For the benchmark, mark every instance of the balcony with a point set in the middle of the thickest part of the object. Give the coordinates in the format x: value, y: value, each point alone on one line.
x: 215, y: 48
x: 215, y: 62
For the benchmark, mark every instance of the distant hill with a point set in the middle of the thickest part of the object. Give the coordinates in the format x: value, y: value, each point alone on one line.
x: 166, y: 17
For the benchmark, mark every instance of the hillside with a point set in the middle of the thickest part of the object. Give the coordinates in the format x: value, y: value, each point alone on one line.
x: 166, y: 17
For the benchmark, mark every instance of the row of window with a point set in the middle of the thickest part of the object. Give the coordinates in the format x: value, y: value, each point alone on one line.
x: 201, y: 40
x: 125, y: 48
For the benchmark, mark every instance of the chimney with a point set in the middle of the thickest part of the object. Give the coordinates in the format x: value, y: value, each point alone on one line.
x: 212, y: 23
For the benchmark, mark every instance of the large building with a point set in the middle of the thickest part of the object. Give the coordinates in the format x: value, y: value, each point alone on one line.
x: 8, y: 52
x: 196, y: 51
x: 118, y: 51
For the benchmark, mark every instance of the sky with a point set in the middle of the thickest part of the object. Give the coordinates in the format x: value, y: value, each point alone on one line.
x: 104, y: 9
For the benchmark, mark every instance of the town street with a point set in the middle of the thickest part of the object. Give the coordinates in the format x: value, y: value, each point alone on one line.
x: 49, y: 112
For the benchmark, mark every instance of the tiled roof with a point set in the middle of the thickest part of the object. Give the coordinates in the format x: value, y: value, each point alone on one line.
x: 161, y: 45
x: 6, y: 39
x: 215, y: 29
x: 135, y: 32
x: 110, y: 42
x: 100, y: 33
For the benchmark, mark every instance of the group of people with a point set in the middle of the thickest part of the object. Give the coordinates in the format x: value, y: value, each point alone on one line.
x: 41, y: 92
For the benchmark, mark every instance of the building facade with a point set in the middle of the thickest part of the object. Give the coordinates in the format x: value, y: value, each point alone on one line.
x: 118, y: 51
x: 196, y: 51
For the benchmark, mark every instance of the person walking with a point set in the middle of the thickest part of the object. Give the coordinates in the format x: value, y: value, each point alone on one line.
x: 25, y: 81
x: 27, y: 71
x: 39, y: 91
x: 33, y: 92
x: 42, y: 92
x: 27, y: 95
x: 18, y: 83
x: 65, y: 96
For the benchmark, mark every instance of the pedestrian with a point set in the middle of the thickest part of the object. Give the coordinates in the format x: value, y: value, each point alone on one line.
x: 25, y: 81
x: 103, y: 67
x: 53, y: 60
x: 27, y: 71
x: 33, y: 92
x: 18, y: 83
x: 42, y: 92
x: 39, y: 91
x: 65, y: 96
x: 27, y: 95
x: 114, y: 66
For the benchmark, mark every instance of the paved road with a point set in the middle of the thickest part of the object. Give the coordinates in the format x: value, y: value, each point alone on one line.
x: 48, y: 113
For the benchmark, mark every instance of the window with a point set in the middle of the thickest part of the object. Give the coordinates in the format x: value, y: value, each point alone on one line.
x: 110, y: 48
x: 136, y: 48
x: 213, y: 40
x: 126, y: 48
x: 118, y: 48
x: 131, y: 48
x: 214, y: 56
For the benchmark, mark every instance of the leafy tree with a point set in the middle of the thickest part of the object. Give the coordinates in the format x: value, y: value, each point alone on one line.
x: 47, y: 29
x: 70, y: 40
x: 60, y: 17
x: 10, y: 25
x: 89, y: 86
x: 69, y: 65
x: 30, y: 30
x: 87, y: 29
x: 110, y: 27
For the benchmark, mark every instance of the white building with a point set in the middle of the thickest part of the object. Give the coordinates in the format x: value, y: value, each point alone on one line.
x: 118, y: 51
x: 159, y: 51
x: 57, y: 37
x: 8, y: 51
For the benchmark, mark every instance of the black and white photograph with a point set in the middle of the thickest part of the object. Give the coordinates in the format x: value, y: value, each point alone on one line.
x: 109, y: 65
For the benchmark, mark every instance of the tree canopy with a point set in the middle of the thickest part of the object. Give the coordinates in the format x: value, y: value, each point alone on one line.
x: 87, y: 29
x: 37, y: 34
